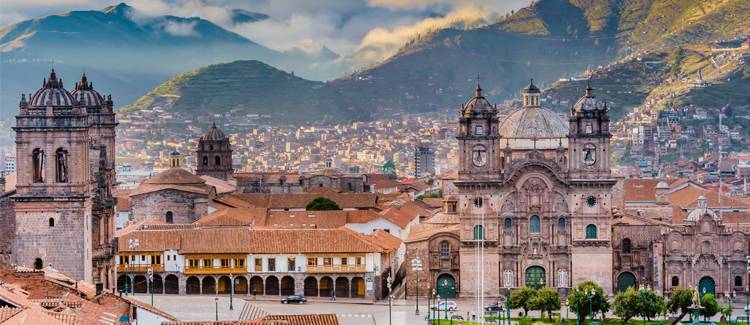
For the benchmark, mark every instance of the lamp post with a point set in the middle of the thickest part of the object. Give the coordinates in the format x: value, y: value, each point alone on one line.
x: 150, y: 274
x: 416, y: 266
x: 231, y: 291
x: 730, y: 297
x: 390, y: 284
x: 565, y: 303
x: 216, y: 305
x: 578, y: 309
x: 428, y: 304
x: 435, y: 314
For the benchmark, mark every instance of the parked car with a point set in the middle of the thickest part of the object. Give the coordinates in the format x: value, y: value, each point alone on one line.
x: 496, y: 307
x: 296, y: 299
x: 445, y: 305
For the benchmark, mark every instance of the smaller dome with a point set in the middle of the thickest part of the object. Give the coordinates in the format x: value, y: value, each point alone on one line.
x: 52, y: 93
x: 85, y: 94
x: 589, y: 102
x: 174, y: 153
x: 213, y: 134
x: 478, y: 105
x: 663, y: 185
x: 531, y: 88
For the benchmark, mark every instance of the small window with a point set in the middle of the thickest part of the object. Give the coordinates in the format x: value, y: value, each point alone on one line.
x: 445, y: 249
x: 205, y: 160
x: 478, y: 201
x: 478, y: 232
x: 327, y: 261
x: 591, y: 201
x: 534, y: 224
x: 675, y: 281
x: 210, y: 147
x: 217, y: 161
x: 591, y: 232
x: 344, y: 261
x: 169, y: 217
x: 561, y: 223
x: 51, y: 222
x: 738, y: 281
x: 478, y: 130
x: 626, y: 245
x: 312, y: 261
x: 508, y: 223
x: 38, y: 264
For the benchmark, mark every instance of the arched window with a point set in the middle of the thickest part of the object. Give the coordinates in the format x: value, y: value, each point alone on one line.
x: 508, y: 223
x: 217, y: 160
x: 591, y: 232
x: 478, y: 201
x: 51, y: 222
x: 61, y: 165
x: 534, y: 224
x: 561, y: 223
x: 738, y: 281
x: 170, y: 217
x: 675, y: 281
x: 205, y: 160
x: 210, y: 147
x: 478, y: 232
x: 445, y: 249
x: 38, y: 264
x: 37, y: 157
x: 626, y: 245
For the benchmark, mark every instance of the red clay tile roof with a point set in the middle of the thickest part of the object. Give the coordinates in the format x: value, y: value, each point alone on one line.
x: 234, y: 217
x: 426, y: 232
x: 7, y: 312
x: 300, y: 200
x: 246, y: 240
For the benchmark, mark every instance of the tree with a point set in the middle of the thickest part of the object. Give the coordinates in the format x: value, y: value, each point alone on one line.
x: 321, y: 204
x: 579, y: 300
x: 546, y: 299
x: 626, y: 305
x: 680, y: 301
x: 521, y: 298
x: 651, y: 304
x: 710, y: 306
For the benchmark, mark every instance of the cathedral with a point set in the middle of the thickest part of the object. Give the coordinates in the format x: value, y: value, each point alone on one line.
x: 63, y: 208
x: 533, y: 194
x: 535, y: 204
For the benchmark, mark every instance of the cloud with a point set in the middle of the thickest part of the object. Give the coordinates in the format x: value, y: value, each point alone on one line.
x: 180, y: 29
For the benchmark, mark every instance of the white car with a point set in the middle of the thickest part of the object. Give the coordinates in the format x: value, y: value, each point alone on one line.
x: 445, y: 305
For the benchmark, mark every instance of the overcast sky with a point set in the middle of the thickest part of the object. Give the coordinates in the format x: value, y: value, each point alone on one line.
x: 341, y: 25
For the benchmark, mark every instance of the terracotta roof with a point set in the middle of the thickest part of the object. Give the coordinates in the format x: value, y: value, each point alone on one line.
x: 300, y: 200
x: 433, y: 202
x: 246, y: 240
x: 640, y: 190
x: 176, y: 176
x: 443, y: 218
x: 123, y: 200
x: 424, y: 234
x: 148, y: 188
x: 221, y: 186
x: 234, y: 217
x: 384, y: 239
x: 33, y: 316
x: 385, y: 183
x: 150, y: 308
x: 685, y: 196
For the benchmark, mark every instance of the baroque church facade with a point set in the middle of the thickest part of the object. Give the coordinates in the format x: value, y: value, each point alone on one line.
x: 533, y: 195
x: 535, y: 204
x: 63, y: 207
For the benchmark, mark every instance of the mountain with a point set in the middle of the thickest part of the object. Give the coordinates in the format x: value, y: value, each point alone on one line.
x: 130, y: 53
x: 241, y: 16
x: 251, y: 87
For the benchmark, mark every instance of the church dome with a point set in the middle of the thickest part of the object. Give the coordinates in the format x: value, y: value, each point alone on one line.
x: 533, y: 123
x: 477, y: 105
x: 589, y: 102
x: 85, y: 94
x: 213, y: 134
x: 52, y: 93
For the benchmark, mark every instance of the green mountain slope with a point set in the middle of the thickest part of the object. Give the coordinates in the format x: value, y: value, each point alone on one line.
x: 251, y: 87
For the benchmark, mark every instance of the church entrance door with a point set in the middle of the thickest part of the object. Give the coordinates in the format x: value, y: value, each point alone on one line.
x: 446, y: 286
x: 535, y: 277
x: 707, y: 285
x: 624, y: 281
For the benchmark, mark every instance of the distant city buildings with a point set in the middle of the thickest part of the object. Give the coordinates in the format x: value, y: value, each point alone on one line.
x: 424, y: 160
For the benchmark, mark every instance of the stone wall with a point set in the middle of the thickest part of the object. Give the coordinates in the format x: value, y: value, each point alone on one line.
x: 185, y: 207
x: 65, y: 245
x: 7, y: 226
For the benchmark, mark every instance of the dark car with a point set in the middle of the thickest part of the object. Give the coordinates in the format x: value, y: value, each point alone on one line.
x: 294, y: 300
x: 496, y: 307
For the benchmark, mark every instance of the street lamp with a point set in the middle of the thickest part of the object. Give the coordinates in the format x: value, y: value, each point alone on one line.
x: 730, y: 297
x: 216, y: 305
x: 231, y: 291
x: 428, y: 304
x: 150, y: 274
x: 565, y: 303
x: 590, y: 295
x: 390, y: 287
x: 436, y: 302
x: 416, y: 266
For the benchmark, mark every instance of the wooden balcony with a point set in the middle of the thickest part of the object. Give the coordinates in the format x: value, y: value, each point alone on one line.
x: 215, y: 270
x: 139, y: 268
x: 336, y: 268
